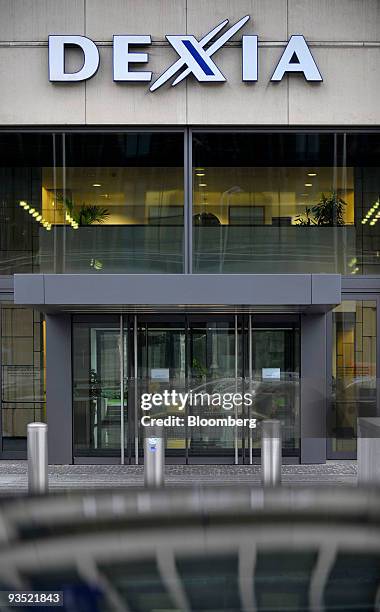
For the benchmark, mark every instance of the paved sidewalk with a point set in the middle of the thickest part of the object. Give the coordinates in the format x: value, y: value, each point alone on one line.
x: 13, y: 475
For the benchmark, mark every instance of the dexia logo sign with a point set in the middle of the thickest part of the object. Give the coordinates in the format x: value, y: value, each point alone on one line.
x: 195, y: 57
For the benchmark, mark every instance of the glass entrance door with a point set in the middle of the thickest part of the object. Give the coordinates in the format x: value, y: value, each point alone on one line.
x: 215, y: 366
x: 117, y: 359
x: 274, y: 377
x: 162, y: 367
x: 99, y: 399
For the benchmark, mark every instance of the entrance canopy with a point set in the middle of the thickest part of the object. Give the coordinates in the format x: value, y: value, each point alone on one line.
x: 272, y: 292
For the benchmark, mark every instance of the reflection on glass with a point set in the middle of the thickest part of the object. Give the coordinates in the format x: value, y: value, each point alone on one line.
x: 96, y: 386
x: 91, y: 203
x: 22, y: 374
x: 276, y: 380
x: 216, y: 371
x: 162, y: 367
x: 114, y: 202
x: 284, y: 202
x: 121, y: 200
x: 353, y: 371
x: 201, y: 360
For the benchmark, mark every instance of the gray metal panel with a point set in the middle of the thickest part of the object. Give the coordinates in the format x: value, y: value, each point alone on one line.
x: 313, y: 388
x: 186, y: 289
x: 178, y: 289
x: 360, y: 284
x: 59, y: 388
x: 29, y: 289
x: 326, y: 287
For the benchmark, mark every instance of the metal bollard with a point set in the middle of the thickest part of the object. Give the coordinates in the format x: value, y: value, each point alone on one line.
x: 37, y: 458
x: 154, y: 460
x: 271, y: 453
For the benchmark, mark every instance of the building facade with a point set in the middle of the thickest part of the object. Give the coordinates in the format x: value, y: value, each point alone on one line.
x: 211, y: 226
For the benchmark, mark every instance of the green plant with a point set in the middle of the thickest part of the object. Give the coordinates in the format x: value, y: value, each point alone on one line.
x: 328, y: 212
x: 199, y: 370
x: 90, y: 213
x: 306, y: 218
x: 87, y: 214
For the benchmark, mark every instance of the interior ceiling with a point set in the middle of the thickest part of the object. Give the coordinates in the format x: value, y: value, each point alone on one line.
x: 116, y: 184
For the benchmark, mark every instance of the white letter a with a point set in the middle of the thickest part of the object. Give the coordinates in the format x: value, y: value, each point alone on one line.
x: 297, y: 57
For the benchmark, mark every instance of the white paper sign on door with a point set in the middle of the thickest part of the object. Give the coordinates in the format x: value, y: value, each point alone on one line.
x: 161, y: 374
x: 271, y: 373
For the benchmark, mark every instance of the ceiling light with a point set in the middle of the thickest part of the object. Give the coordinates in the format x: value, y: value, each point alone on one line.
x: 96, y: 185
x: 199, y: 169
x: 364, y: 221
x: 38, y: 218
x: 372, y: 222
x: 202, y: 184
x: 23, y: 203
x: 200, y: 174
x: 308, y: 184
x: 31, y: 211
x: 36, y: 213
x: 311, y: 174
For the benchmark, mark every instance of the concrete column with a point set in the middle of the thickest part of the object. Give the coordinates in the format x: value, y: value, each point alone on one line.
x: 59, y: 407
x: 313, y: 388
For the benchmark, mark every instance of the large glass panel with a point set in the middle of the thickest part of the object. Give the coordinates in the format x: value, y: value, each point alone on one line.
x: 286, y: 202
x: 91, y: 202
x: 276, y: 381
x: 23, y: 222
x: 263, y: 202
x: 201, y: 357
x: 96, y: 386
x: 22, y: 374
x: 353, y: 371
x: 215, y: 366
x: 118, y: 205
x: 162, y: 363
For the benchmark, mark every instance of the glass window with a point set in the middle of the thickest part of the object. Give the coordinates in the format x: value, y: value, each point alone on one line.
x: 113, y: 202
x: 22, y: 160
x: 91, y: 203
x: 286, y: 203
x: 22, y: 373
x: 353, y: 371
x: 118, y: 205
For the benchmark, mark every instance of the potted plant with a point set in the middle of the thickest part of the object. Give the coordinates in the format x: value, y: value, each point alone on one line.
x: 87, y: 214
x: 328, y: 212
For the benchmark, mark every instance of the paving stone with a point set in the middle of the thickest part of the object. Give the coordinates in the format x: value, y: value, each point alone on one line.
x: 13, y: 475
